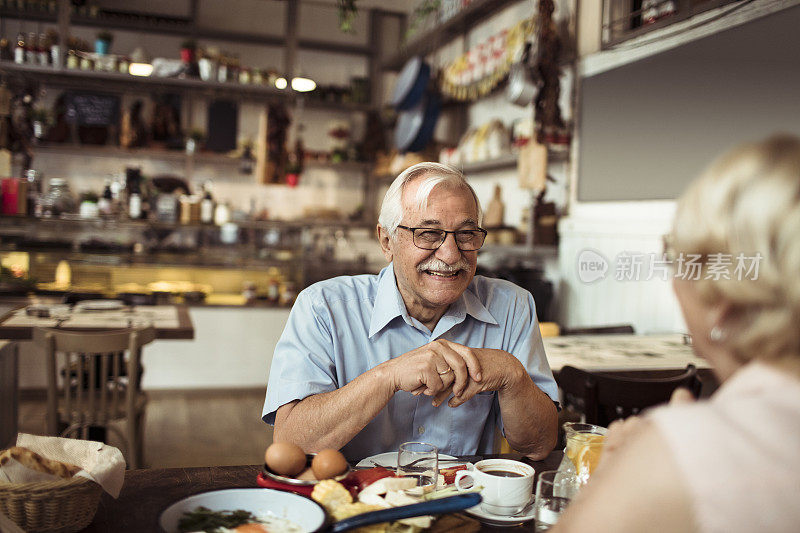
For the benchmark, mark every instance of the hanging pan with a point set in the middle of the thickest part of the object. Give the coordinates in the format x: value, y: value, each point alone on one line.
x: 411, y: 83
x: 415, y: 126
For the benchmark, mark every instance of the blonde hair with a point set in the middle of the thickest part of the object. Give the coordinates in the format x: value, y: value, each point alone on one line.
x: 748, y: 202
x: 433, y: 175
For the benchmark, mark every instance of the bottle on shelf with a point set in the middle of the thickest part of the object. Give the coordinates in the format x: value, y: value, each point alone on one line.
x: 106, y: 201
x: 42, y: 52
x: 19, y: 49
x: 133, y: 182
x: 5, y: 50
x: 207, y: 205
x: 34, y: 179
x: 30, y: 48
x: 134, y: 205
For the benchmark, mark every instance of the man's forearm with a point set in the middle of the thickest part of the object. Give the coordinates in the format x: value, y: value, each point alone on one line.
x: 332, y: 419
x: 529, y: 416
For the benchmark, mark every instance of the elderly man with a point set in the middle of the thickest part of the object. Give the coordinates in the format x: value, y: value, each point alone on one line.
x: 366, y: 362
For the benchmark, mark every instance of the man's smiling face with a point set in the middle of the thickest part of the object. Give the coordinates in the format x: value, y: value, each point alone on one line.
x: 430, y: 280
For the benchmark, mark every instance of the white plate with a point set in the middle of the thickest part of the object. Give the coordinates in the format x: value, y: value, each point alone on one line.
x: 304, y: 512
x: 99, y: 305
x: 526, y: 515
x: 389, y: 460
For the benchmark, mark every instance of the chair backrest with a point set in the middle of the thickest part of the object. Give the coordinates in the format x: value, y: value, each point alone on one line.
x: 8, y: 394
x: 94, y: 391
x: 599, y: 330
x: 604, y: 398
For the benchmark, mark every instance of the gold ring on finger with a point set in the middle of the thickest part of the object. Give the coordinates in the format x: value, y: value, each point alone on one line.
x: 443, y: 372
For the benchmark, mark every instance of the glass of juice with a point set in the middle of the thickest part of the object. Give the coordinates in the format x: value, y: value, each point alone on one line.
x: 584, y: 447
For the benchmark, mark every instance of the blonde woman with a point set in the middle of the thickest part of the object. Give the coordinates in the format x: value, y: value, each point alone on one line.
x: 731, y: 463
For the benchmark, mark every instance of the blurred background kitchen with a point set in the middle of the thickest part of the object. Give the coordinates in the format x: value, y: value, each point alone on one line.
x: 226, y: 154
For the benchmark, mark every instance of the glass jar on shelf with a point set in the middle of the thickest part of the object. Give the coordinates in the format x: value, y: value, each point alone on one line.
x: 59, y: 199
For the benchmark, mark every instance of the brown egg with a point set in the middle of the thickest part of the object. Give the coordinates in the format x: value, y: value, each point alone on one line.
x: 285, y: 458
x: 328, y: 463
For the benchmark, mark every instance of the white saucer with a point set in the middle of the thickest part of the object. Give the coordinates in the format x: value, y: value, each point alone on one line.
x: 526, y: 515
x: 389, y: 460
x: 99, y: 305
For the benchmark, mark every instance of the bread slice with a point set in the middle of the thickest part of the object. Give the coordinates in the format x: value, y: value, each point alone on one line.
x: 34, y: 461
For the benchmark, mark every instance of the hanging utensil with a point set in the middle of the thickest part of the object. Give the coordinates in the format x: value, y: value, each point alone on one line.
x: 522, y: 86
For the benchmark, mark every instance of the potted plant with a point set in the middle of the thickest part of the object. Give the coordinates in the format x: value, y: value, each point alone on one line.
x: 88, y: 207
x: 188, y: 48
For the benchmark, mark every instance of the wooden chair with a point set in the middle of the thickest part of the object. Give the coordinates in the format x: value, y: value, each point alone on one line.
x: 8, y: 394
x: 96, y: 388
x: 599, y: 330
x: 603, y: 398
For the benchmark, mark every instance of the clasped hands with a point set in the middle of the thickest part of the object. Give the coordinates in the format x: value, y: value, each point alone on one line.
x: 442, y: 368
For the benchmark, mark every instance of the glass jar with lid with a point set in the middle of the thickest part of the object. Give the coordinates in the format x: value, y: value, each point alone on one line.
x: 59, y: 199
x: 584, y: 447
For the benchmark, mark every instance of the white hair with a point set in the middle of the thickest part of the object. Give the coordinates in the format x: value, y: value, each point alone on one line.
x: 748, y: 202
x: 433, y: 175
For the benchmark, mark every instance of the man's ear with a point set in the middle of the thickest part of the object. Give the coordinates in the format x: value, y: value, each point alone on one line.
x: 385, y: 242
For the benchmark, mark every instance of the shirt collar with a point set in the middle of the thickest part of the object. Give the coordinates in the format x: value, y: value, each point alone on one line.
x: 389, y: 305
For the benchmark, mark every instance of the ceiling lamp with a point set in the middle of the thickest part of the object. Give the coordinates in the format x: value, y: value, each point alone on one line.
x: 280, y: 83
x: 140, y: 63
x: 303, y: 85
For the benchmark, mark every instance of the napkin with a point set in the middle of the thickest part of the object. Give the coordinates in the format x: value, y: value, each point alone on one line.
x: 100, y: 462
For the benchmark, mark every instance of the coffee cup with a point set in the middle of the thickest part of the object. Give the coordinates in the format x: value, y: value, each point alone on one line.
x: 506, y: 485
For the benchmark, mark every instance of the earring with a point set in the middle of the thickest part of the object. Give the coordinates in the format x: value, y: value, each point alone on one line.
x: 717, y: 334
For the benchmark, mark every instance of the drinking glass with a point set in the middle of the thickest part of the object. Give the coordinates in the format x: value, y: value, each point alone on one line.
x: 554, y: 490
x: 419, y: 460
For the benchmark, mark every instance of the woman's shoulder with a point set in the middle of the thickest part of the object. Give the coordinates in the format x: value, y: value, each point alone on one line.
x: 746, y: 435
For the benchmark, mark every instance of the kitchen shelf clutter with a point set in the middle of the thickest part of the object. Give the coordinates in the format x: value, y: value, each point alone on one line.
x: 109, y: 256
x: 458, y: 24
x: 625, y: 20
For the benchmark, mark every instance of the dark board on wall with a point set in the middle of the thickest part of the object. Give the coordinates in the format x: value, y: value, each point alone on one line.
x: 648, y: 128
x: 92, y: 109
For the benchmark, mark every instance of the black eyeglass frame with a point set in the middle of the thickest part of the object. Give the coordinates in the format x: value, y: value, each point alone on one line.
x: 446, y: 233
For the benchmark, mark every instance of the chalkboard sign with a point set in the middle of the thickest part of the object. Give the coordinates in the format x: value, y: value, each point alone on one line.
x: 648, y: 128
x: 223, y: 119
x: 92, y: 109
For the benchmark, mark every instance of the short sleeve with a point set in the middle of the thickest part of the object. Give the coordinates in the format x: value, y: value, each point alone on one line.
x: 303, y: 363
x: 525, y: 343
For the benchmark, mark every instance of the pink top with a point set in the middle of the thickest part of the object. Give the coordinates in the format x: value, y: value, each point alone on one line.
x: 739, y: 452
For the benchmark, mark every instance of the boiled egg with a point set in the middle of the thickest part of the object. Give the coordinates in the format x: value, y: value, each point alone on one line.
x: 285, y: 458
x: 328, y: 463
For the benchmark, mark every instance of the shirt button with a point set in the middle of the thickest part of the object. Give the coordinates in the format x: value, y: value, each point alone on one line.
x: 421, y: 430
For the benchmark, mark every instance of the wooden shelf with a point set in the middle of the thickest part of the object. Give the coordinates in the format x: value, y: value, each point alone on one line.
x: 344, y: 166
x: 509, y: 161
x: 441, y: 34
x: 88, y: 150
x: 114, y: 82
x: 180, y: 26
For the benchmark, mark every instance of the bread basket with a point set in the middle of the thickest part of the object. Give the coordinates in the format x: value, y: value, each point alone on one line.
x: 59, y: 506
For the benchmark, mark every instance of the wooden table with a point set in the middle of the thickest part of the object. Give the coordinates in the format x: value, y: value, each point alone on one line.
x: 16, y: 325
x: 148, y: 492
x: 629, y: 355
x: 625, y: 352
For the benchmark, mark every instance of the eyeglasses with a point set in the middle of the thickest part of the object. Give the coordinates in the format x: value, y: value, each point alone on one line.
x: 467, y: 240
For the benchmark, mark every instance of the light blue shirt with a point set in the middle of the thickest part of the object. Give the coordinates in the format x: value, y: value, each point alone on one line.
x: 342, y: 327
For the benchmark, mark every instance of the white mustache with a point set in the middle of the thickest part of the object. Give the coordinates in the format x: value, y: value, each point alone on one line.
x: 438, y: 265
